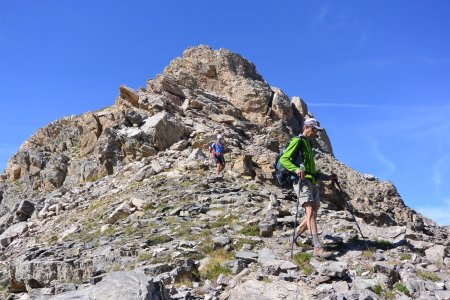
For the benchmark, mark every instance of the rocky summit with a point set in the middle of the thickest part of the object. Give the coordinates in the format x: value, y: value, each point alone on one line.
x: 123, y: 203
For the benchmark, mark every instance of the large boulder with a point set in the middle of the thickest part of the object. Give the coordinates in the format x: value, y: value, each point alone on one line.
x: 131, y: 285
x: 253, y: 289
x: 162, y: 130
x: 12, y: 232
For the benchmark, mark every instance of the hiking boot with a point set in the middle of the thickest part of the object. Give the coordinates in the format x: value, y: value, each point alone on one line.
x: 320, y: 252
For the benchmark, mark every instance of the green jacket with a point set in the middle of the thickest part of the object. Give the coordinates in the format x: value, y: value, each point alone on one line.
x: 293, y: 159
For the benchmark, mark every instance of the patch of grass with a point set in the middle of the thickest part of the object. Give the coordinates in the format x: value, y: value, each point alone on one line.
x: 144, y: 256
x: 250, y: 230
x: 401, y: 288
x: 129, y: 230
x: 222, y: 221
x: 368, y: 254
x: 148, y: 206
x: 302, y: 260
x: 162, y: 259
x: 250, y: 187
x: 186, y: 184
x: 377, y: 289
x: 184, y: 280
x: 213, y: 267
x: 4, y: 291
x: 405, y: 256
x: 343, y: 229
x: 194, y: 255
x: 305, y: 246
x: 428, y: 276
x: 207, y: 246
x: 158, y: 239
x: 267, y: 279
x: 383, y: 292
x: 385, y: 245
x: 110, y: 231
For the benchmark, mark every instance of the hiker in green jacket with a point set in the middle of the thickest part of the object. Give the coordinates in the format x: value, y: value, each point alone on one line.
x: 299, y: 159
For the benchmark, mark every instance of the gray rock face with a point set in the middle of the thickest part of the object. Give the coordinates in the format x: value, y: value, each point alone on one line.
x: 25, y: 210
x: 247, y: 256
x: 331, y: 269
x: 162, y: 130
x: 133, y: 285
x: 437, y: 253
x: 257, y: 290
x: 12, y: 232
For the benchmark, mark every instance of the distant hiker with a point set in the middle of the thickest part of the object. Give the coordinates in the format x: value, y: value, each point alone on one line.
x: 299, y: 159
x: 217, y: 149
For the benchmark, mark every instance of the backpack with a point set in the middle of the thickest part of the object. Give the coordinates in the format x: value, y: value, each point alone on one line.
x: 281, y: 175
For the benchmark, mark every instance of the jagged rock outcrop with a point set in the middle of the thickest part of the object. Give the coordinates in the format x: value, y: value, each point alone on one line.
x: 123, y: 202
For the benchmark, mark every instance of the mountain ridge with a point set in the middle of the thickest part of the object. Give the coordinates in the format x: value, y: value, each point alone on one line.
x: 127, y: 179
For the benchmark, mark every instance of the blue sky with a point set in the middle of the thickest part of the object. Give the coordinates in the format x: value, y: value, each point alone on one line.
x: 375, y: 73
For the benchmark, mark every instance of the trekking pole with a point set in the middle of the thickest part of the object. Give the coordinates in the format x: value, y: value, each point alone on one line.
x: 350, y: 210
x: 296, y: 213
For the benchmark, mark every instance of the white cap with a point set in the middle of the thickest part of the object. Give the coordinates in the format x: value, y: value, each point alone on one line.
x: 313, y: 123
x: 219, y: 136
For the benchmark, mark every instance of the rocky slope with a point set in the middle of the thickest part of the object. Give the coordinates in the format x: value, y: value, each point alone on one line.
x: 122, y: 203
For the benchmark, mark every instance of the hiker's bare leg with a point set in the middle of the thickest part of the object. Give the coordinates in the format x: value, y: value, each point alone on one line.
x: 315, y: 214
x: 301, y: 227
x: 310, y: 221
x: 218, y: 168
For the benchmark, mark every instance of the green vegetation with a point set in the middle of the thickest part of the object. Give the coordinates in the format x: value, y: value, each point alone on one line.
x: 158, y: 239
x: 401, y: 288
x: 194, y: 255
x: 385, y: 245
x: 383, y: 292
x: 207, y: 246
x: 368, y: 254
x: 3, y: 291
x: 250, y: 230
x: 377, y: 289
x: 302, y: 260
x: 144, y: 256
x: 428, y: 276
x: 405, y: 256
x: 305, y: 246
x: 185, y: 280
x: 186, y: 184
x: 222, y: 221
x: 162, y: 259
x: 251, y: 187
x: 214, y: 267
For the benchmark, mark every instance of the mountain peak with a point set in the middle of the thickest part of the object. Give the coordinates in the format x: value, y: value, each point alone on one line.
x: 130, y: 188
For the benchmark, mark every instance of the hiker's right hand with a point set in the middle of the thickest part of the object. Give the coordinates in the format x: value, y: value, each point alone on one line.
x: 300, y: 173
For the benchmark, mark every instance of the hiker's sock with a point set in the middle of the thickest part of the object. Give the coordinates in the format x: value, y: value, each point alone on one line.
x: 316, y: 242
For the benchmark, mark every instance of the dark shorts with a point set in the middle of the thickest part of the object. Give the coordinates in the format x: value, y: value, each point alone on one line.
x: 219, y: 159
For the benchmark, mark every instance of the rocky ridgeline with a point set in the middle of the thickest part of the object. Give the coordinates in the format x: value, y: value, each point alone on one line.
x: 122, y: 203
